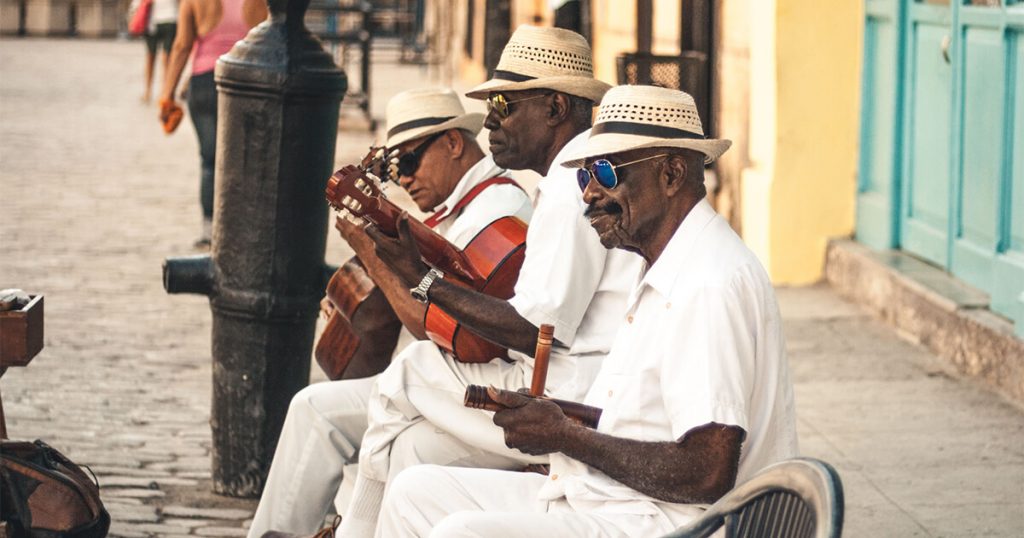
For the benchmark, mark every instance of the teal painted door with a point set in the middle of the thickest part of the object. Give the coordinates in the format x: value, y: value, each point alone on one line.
x: 942, y: 139
x: 929, y: 79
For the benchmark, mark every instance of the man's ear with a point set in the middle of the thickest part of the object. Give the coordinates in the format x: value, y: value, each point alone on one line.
x: 456, y: 144
x: 673, y: 174
x: 559, y: 110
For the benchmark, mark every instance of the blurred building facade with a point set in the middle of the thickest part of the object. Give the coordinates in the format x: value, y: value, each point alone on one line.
x: 86, y: 18
x: 897, y: 122
x: 941, y: 156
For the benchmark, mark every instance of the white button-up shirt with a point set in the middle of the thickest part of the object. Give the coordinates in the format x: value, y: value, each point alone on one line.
x: 491, y: 204
x: 700, y: 342
x: 569, y: 280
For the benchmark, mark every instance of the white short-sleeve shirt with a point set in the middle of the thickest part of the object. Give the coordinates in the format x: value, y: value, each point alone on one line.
x: 571, y: 281
x: 491, y: 204
x: 700, y: 342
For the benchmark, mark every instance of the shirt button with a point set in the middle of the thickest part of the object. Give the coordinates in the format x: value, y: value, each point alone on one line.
x: 554, y: 477
x: 609, y: 394
x: 668, y: 305
x: 629, y: 319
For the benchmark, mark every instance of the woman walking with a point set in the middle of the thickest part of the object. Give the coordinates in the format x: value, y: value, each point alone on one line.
x: 212, y: 27
x: 159, y: 35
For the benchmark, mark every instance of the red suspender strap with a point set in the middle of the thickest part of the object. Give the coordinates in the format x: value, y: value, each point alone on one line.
x: 436, y: 218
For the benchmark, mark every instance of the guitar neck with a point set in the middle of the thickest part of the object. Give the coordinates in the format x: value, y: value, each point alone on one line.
x: 435, y: 250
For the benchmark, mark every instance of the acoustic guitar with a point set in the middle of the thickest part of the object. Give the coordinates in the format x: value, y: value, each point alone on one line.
x: 362, y: 331
x: 489, y: 264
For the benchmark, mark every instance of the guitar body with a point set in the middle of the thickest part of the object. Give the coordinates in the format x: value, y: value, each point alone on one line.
x: 363, y: 329
x: 497, y: 252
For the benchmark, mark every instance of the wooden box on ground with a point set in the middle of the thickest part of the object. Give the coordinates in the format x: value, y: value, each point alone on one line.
x: 21, y: 333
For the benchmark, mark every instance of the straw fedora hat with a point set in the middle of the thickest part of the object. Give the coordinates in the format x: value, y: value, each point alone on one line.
x: 548, y: 58
x: 636, y: 117
x: 416, y: 113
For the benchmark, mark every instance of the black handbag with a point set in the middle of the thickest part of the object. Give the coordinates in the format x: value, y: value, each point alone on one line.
x: 44, y: 494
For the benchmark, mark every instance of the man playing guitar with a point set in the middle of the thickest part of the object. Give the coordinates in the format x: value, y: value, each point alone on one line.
x: 444, y: 170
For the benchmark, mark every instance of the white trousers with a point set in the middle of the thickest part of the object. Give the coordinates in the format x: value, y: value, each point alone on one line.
x: 321, y: 434
x: 423, y: 384
x: 449, y: 502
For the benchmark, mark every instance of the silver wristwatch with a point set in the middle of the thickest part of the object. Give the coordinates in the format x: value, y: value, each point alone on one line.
x: 420, y: 292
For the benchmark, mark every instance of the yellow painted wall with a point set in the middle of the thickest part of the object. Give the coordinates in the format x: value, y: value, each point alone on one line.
x: 613, y: 27
x: 797, y: 184
x: 800, y: 188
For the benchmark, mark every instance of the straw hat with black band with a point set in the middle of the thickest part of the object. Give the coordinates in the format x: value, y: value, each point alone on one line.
x: 544, y: 58
x: 639, y: 117
x: 417, y: 113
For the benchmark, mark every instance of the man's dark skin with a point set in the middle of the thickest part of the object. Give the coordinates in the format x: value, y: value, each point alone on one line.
x: 529, y: 138
x: 640, y: 214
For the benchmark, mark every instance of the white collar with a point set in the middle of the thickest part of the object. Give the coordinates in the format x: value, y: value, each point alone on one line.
x: 483, y: 170
x: 663, y: 274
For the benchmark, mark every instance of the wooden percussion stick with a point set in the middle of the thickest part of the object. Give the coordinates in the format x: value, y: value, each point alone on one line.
x: 540, y: 359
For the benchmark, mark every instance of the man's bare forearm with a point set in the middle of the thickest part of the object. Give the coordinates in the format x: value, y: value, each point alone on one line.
x: 699, y: 469
x: 492, y: 318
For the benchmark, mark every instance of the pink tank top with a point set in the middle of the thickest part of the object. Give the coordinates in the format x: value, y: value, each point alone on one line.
x: 221, y: 38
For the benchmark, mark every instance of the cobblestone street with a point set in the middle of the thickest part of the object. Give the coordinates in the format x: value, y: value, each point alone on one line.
x: 93, y: 197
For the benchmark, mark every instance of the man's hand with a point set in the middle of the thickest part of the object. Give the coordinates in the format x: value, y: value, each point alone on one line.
x: 532, y: 425
x: 355, y: 236
x: 326, y: 307
x: 400, y: 254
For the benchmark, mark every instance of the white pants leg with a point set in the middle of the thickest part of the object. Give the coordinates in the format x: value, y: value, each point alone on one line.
x: 450, y: 502
x: 423, y: 383
x: 321, y: 434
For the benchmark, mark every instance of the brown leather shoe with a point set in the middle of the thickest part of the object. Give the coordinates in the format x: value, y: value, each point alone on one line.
x: 326, y: 532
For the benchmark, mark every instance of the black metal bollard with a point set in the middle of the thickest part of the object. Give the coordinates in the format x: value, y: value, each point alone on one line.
x: 279, y: 94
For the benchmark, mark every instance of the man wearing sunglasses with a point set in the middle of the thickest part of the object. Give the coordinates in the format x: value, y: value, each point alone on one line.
x: 438, y: 161
x: 695, y: 391
x: 540, y: 103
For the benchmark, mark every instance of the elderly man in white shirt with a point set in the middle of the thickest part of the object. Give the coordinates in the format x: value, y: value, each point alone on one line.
x: 443, y: 168
x: 695, y: 391
x: 540, y: 104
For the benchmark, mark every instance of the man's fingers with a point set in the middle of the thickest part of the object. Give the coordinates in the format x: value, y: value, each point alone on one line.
x: 404, y: 232
x: 375, y: 234
x: 507, y: 398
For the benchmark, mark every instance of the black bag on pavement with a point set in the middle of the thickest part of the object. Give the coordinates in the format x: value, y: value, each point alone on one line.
x: 45, y: 495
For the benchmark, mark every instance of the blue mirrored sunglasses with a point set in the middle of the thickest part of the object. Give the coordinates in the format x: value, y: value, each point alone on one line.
x: 603, y: 171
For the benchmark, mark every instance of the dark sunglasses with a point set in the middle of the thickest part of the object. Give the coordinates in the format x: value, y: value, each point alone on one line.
x: 409, y: 162
x: 498, y: 103
x: 603, y: 171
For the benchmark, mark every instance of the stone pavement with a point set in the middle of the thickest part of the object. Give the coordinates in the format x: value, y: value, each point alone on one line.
x: 93, y: 196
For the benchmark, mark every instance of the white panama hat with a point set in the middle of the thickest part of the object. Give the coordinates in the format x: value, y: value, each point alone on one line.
x: 637, y: 117
x: 417, y: 113
x: 544, y: 58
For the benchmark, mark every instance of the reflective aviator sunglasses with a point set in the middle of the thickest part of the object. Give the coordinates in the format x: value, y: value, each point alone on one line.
x: 498, y: 103
x: 603, y: 171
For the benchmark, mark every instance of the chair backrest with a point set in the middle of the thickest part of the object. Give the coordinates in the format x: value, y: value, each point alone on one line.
x: 798, y: 498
